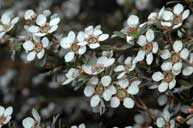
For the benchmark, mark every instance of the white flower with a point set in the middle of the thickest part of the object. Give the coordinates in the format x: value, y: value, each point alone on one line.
x: 167, y: 79
x: 43, y: 27
x: 99, y: 66
x: 174, y: 58
x: 74, y: 44
x: 79, y: 126
x: 99, y: 90
x: 7, y: 23
x: 148, y: 47
x: 35, y: 47
x: 179, y: 15
x: 94, y: 36
x: 30, y: 122
x: 5, y: 115
x: 156, y: 15
x: 188, y: 69
x: 166, y: 17
x: 124, y: 91
x: 71, y: 75
x: 30, y: 15
x: 165, y: 121
x: 129, y: 65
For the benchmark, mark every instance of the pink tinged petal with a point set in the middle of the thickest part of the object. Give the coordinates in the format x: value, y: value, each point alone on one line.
x: 40, y: 55
x: 2, y: 109
x: 149, y: 58
x: 54, y: 21
x: 163, y: 87
x: 103, y: 37
x: 115, y: 102
x: 140, y: 55
x: 41, y: 20
x: 150, y: 35
x: 166, y: 66
x: 8, y: 111
x: 97, y: 32
x: 28, y: 122
x: 187, y: 71
x: 133, y: 21
x: 165, y: 54
x: 119, y: 68
x: 106, y: 80
x: 155, y: 47
x: 94, y: 46
x: 80, y: 37
x: 172, y: 84
x: 69, y: 56
x: 142, y: 40
x: 89, y: 30
x: 15, y: 20
x: 177, y: 66
x: 184, y: 53
x: 35, y: 114
x: 133, y: 89
x: 28, y: 45
x: 157, y: 76
x: 31, y: 56
x: 185, y: 14
x: 94, y: 100
x: 123, y: 83
x: 178, y: 8
x: 177, y: 46
x: 128, y: 103
x: 53, y: 29
x: 5, y: 19
x: 89, y: 91
x: 82, y: 50
x: 33, y: 29
x: 45, y: 42
x: 160, y: 122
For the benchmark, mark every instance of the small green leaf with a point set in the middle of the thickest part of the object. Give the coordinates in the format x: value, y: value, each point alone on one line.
x: 118, y: 34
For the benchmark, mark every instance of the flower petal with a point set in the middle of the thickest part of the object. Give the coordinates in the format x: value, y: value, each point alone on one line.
x: 184, y: 53
x: 88, y: 91
x: 41, y: 20
x: 178, y: 8
x: 8, y: 111
x: 94, y: 101
x: 141, y: 40
x: 31, y: 56
x: 166, y: 66
x: 115, y: 102
x: 103, y: 37
x: 140, y: 55
x: 150, y: 35
x: 28, y: 45
x: 149, y: 58
x: 185, y: 14
x: 172, y: 84
x: 54, y: 21
x: 45, y: 42
x: 128, y: 103
x: 106, y: 80
x: 177, y: 46
x: 41, y: 54
x: 157, y: 76
x: 69, y: 56
x: 163, y: 87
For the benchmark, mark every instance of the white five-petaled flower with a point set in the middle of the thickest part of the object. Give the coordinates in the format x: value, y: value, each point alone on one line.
x: 129, y: 65
x: 149, y: 47
x: 124, y: 91
x: 98, y: 66
x: 166, y: 18
x: 5, y: 115
x: 174, y: 58
x: 71, y: 75
x: 99, y: 89
x: 7, y: 23
x: 44, y: 27
x: 188, y: 69
x: 74, y: 44
x: 79, y: 126
x: 30, y: 122
x: 167, y: 80
x: 165, y: 121
x: 35, y: 47
x: 179, y: 15
x: 94, y: 35
x: 132, y: 27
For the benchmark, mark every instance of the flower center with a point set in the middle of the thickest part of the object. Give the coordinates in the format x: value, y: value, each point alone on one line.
x: 177, y: 19
x: 92, y: 40
x: 45, y: 28
x: 175, y: 58
x: 148, y: 47
x: 2, y: 120
x: 132, y: 29
x: 97, y: 68
x: 121, y: 93
x: 168, y: 77
x: 38, y: 47
x: 99, y: 89
x: 75, y: 47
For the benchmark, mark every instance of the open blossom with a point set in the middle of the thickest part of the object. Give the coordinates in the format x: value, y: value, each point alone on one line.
x: 166, y: 18
x: 149, y: 47
x: 30, y: 122
x: 36, y: 48
x: 5, y: 115
x: 43, y: 26
x: 131, y: 28
x: 124, y: 91
x: 7, y: 23
x: 94, y: 35
x: 79, y: 126
x: 99, y: 89
x: 71, y: 75
x: 188, y: 69
x: 129, y: 65
x: 167, y: 80
x: 174, y: 59
x: 74, y: 44
x: 98, y: 66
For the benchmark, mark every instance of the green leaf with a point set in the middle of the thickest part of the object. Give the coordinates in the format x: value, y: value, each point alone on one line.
x: 118, y: 34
